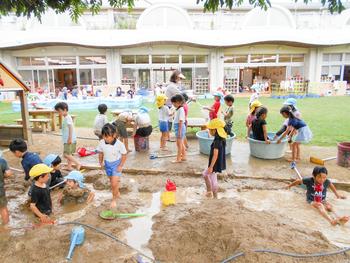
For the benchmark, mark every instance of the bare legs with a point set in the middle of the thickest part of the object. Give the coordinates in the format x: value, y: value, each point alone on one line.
x: 323, y: 208
x: 71, y: 161
x: 115, y: 190
x: 4, y: 215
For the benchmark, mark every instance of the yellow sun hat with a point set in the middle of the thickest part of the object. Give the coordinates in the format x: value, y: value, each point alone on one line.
x: 255, y: 104
x: 39, y: 169
x: 218, y: 125
x: 160, y: 100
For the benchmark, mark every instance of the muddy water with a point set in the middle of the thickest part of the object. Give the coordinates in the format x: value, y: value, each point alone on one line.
x: 293, y: 206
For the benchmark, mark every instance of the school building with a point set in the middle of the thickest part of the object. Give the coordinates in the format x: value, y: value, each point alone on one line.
x: 229, y: 48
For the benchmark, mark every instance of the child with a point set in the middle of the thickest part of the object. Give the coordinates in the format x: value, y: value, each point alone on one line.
x: 292, y: 104
x: 185, y: 106
x: 251, y: 116
x: 295, y: 126
x: 112, y: 156
x: 316, y: 194
x: 259, y: 126
x: 40, y: 203
x: 179, y: 127
x: 68, y: 135
x: 142, y: 123
x: 75, y: 190
x: 100, y: 120
x: 217, y: 157
x: 120, y: 123
x: 19, y: 148
x: 228, y: 114
x: 54, y: 161
x: 214, y: 109
x: 4, y: 172
x: 164, y: 116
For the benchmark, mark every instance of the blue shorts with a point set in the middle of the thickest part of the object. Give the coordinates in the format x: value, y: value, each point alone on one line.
x: 163, y: 126
x: 111, y: 168
x: 176, y: 129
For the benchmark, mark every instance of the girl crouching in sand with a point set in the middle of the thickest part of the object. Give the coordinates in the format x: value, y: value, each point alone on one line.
x: 316, y: 194
x: 217, y: 158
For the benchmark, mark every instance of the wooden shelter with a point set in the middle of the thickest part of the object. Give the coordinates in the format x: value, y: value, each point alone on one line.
x: 11, y: 82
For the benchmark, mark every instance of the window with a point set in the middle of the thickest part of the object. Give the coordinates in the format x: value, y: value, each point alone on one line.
x: 88, y: 60
x: 332, y: 57
x: 269, y: 58
x: 158, y: 59
x: 100, y: 77
x: 256, y: 58
x: 283, y: 58
x: 297, y: 58
x: 38, y: 61
x: 188, y: 59
x: 61, y: 61
x: 142, y: 59
x: 85, y: 76
x: 335, y: 72
x: 128, y: 59
x: 236, y: 59
x: 201, y: 59
x: 172, y: 59
x: 347, y: 57
x: 325, y: 71
x: 23, y: 61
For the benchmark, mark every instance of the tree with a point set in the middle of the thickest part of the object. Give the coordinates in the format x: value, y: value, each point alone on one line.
x: 77, y: 7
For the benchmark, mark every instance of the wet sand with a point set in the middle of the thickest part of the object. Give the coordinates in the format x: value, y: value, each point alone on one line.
x: 249, y: 214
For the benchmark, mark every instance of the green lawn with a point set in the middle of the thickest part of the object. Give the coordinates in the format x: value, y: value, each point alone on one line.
x: 327, y: 117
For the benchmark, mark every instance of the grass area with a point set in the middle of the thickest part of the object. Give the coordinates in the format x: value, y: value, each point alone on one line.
x: 328, y: 117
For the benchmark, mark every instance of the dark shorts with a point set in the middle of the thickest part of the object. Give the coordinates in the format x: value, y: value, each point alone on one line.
x: 144, y: 132
x: 121, y: 129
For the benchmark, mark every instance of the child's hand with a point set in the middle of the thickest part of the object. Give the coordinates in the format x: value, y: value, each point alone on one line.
x: 45, y: 219
x: 119, y: 169
x: 341, y: 196
x: 210, y: 170
x: 69, y: 141
x: 267, y: 142
x: 279, y: 141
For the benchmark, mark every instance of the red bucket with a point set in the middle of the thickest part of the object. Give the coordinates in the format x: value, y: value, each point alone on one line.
x: 343, y: 158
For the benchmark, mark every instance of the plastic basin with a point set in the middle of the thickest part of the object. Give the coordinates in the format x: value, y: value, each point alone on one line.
x: 343, y: 157
x: 260, y: 149
x: 205, y: 142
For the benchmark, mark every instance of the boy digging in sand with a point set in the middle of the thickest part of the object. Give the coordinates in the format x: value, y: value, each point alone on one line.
x: 316, y: 194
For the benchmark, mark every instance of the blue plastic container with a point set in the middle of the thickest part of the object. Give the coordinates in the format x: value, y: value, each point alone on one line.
x: 77, y: 237
x: 205, y: 142
x: 260, y: 149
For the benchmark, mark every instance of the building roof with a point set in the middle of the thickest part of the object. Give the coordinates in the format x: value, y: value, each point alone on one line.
x: 10, y: 79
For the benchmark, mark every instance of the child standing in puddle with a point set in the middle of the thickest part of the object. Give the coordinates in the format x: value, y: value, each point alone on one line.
x: 316, y: 193
x: 217, y: 157
x: 112, y: 156
x: 4, y: 172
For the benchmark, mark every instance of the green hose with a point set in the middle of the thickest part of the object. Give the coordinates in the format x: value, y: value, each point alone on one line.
x: 98, y: 230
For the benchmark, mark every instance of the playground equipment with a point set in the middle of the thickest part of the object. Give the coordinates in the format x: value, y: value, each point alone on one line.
x: 260, y: 149
x: 77, y: 237
x: 205, y: 142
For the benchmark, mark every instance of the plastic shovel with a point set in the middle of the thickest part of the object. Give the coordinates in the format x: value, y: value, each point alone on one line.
x: 110, y: 215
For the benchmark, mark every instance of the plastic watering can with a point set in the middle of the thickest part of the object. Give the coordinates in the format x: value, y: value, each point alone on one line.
x: 77, y: 237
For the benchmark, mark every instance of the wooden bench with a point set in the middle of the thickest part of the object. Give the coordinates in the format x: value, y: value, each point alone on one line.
x: 8, y: 132
x: 197, y: 123
x: 39, y: 125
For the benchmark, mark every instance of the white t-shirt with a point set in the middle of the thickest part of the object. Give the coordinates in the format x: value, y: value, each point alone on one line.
x: 143, y: 119
x: 111, y: 153
x: 68, y: 121
x: 100, y: 121
x: 180, y: 115
x: 164, y: 113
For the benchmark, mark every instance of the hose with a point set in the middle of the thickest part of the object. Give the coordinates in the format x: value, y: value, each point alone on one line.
x: 233, y: 257
x: 98, y: 230
x: 294, y: 255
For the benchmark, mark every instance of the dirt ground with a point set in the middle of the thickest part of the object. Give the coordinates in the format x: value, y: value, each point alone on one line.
x: 250, y: 214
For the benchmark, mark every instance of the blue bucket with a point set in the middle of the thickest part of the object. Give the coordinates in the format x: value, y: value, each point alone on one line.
x: 260, y: 149
x: 205, y: 142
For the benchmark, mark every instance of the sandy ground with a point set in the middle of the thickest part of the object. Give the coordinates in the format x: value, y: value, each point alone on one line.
x: 250, y: 214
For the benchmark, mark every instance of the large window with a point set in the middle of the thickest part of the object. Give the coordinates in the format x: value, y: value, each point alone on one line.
x: 192, y: 59
x: 62, y: 61
x: 90, y: 60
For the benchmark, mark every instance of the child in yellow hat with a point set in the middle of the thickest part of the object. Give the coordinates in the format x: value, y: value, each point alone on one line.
x: 217, y: 157
x: 254, y: 106
x: 40, y: 202
x: 164, y: 116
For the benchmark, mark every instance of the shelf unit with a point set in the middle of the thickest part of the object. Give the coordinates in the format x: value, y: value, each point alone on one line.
x: 231, y: 85
x: 201, y: 85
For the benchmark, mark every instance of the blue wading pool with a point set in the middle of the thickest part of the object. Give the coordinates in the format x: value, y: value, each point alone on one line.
x: 205, y: 142
x: 86, y: 104
x: 260, y: 149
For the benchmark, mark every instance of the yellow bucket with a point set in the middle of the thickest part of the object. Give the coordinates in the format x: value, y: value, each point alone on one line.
x: 168, y: 198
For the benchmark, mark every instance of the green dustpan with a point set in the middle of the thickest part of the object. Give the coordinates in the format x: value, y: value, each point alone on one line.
x: 110, y: 215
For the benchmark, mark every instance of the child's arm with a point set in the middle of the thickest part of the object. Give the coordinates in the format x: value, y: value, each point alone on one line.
x: 8, y: 173
x: 266, y: 138
x: 180, y: 129
x: 289, y: 128
x: 282, y: 130
x: 43, y: 218
x: 100, y: 159
x: 70, y: 132
x: 213, y: 160
x: 334, y: 190
x: 90, y: 197
x: 249, y: 128
x: 122, y: 162
x: 296, y: 182
x: 59, y: 199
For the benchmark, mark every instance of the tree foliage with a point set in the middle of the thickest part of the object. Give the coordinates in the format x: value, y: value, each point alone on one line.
x: 77, y: 7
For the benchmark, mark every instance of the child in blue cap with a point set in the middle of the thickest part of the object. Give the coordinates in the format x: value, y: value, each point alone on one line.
x: 75, y: 190
x: 54, y: 161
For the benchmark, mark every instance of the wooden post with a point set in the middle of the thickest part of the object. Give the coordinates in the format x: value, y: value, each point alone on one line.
x: 27, y: 132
